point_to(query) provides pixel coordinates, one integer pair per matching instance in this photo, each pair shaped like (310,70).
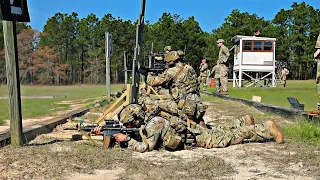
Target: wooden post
(125,58)
(12,65)
(150,56)
(136,60)
(108,49)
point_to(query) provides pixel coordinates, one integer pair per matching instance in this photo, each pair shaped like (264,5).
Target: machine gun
(156,65)
(108,130)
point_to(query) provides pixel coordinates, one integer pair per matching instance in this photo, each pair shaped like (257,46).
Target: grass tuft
(303,131)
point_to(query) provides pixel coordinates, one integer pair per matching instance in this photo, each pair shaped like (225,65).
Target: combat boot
(224,93)
(275,131)
(314,112)
(250,120)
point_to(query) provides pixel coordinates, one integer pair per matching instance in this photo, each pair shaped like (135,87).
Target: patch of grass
(303,131)
(33,107)
(233,109)
(305,91)
(38,107)
(73,92)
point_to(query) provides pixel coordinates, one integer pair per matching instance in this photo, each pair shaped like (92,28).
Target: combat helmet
(167,49)
(171,57)
(132,113)
(180,53)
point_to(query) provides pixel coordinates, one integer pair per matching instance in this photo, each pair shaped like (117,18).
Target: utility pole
(150,56)
(13,82)
(125,59)
(136,61)
(108,49)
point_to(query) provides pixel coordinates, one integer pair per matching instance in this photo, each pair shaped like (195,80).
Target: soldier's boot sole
(224,93)
(275,131)
(250,120)
(314,112)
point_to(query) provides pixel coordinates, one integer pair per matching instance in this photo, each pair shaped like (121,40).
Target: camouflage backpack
(131,112)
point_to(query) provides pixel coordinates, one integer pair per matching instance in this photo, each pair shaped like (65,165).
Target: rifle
(157,65)
(108,130)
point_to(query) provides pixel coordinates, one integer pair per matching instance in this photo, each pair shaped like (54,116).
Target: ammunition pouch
(188,106)
(181,103)
(201,110)
(172,141)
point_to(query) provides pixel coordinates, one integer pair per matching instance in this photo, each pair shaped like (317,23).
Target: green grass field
(38,107)
(304,91)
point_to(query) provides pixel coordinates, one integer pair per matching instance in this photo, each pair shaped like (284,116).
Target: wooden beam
(12,66)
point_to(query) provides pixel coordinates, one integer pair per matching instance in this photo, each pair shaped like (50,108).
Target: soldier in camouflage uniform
(317,59)
(222,60)
(183,87)
(204,68)
(283,75)
(171,134)
(216,71)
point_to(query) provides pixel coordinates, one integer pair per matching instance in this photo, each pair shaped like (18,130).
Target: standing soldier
(283,75)
(203,73)
(216,71)
(222,60)
(317,59)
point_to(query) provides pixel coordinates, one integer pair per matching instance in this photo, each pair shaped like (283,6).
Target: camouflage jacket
(318,43)
(284,72)
(204,69)
(157,132)
(182,80)
(216,71)
(223,55)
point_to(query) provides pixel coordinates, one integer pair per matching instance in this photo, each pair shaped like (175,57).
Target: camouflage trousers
(318,83)
(203,81)
(318,90)
(219,138)
(192,107)
(223,78)
(240,122)
(284,81)
(217,82)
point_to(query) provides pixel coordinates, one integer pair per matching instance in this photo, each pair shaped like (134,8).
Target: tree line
(70,50)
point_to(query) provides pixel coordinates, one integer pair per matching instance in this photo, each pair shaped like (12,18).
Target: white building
(254,61)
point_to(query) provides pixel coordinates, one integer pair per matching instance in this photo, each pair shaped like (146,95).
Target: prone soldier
(159,131)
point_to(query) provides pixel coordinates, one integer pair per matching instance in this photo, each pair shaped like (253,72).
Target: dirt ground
(47,158)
